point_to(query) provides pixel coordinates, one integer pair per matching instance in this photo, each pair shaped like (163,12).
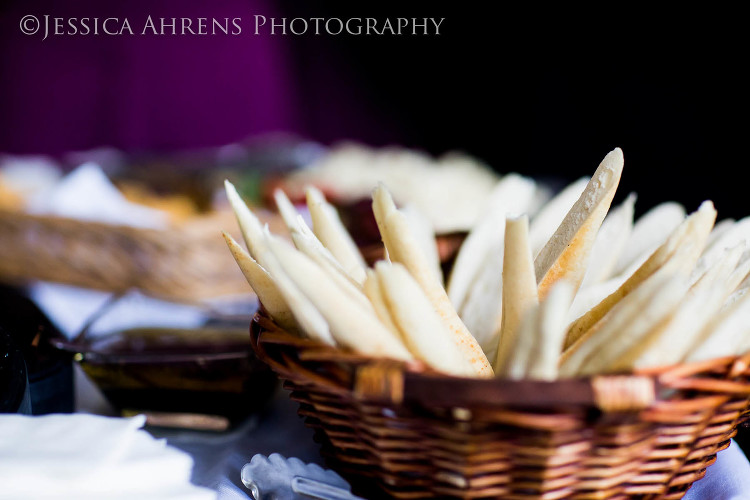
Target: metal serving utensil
(279,478)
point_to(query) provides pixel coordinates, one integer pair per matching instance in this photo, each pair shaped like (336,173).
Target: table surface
(219,457)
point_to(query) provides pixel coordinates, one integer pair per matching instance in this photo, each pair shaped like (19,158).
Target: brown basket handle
(740,366)
(395,382)
(388,382)
(380,381)
(616,393)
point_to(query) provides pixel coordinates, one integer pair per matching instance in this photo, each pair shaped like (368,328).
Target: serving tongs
(276,477)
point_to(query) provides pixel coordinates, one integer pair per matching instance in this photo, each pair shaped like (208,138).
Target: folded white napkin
(87,194)
(90,457)
(70,308)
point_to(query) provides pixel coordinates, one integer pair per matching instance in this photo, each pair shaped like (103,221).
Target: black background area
(550,92)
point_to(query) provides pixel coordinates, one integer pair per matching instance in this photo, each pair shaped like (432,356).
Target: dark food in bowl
(207,371)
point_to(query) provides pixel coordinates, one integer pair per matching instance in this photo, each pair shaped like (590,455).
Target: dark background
(541,91)
(550,92)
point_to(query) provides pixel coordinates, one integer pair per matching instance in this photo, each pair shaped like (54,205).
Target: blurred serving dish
(183,365)
(203,378)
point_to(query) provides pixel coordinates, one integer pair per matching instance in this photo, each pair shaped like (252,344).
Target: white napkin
(90,457)
(727,479)
(71,307)
(87,194)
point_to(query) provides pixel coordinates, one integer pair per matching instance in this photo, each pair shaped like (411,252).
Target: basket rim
(637,390)
(417,383)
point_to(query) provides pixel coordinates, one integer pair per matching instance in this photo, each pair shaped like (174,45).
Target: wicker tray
(418,434)
(188,261)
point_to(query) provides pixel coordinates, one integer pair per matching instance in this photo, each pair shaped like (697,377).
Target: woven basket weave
(188,261)
(414,433)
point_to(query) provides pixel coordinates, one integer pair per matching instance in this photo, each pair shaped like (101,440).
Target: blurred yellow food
(179,206)
(9,199)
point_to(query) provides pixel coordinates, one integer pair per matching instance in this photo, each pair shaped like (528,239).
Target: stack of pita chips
(570,288)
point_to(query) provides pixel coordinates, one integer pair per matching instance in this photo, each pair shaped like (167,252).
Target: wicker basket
(188,261)
(418,434)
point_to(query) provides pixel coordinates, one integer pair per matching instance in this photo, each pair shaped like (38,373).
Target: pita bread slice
(513,362)
(307,317)
(669,344)
(250,226)
(549,217)
(329,229)
(353,326)
(566,253)
(691,236)
(422,229)
(403,247)
(744,344)
(421,328)
(519,284)
(719,230)
(738,233)
(731,303)
(313,323)
(513,194)
(374,294)
(627,324)
(728,233)
(477,282)
(649,232)
(726,335)
(543,360)
(740,275)
(701,304)
(482,311)
(609,243)
(382,206)
(744,347)
(299,230)
(287,210)
(588,297)
(262,284)
(309,246)
(406,252)
(733,298)
(619,316)
(536,352)
(720,270)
